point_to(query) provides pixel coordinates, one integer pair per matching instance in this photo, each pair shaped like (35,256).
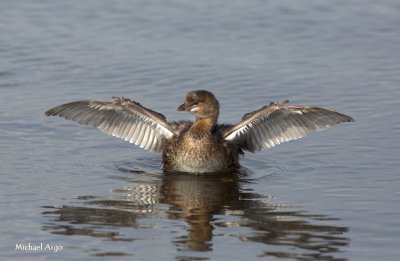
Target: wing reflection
(205,204)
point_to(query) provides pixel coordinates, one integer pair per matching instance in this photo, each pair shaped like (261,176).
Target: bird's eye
(195,103)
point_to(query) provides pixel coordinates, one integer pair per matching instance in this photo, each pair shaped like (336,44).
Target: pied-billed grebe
(203,145)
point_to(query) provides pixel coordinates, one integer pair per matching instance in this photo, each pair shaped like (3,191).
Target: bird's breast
(193,154)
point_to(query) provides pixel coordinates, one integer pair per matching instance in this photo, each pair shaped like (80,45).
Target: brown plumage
(202,145)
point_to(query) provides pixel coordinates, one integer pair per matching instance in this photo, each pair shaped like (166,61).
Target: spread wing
(277,123)
(121,118)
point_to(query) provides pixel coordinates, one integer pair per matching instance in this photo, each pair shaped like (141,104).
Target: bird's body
(201,148)
(203,145)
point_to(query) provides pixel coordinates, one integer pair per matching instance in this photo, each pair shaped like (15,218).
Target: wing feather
(121,118)
(278,123)
(131,133)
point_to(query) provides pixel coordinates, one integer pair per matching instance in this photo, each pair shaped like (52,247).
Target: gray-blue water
(334,195)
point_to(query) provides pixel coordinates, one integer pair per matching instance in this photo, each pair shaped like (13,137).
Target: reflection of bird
(202,145)
(213,207)
(198,200)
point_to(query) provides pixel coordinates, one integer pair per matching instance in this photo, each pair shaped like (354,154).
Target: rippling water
(331,196)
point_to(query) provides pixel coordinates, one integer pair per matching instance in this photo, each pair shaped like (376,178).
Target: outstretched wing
(121,118)
(277,123)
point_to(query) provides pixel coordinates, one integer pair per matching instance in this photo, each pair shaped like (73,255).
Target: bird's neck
(205,124)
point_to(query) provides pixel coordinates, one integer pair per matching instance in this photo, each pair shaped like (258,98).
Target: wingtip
(348,118)
(48,112)
(51,112)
